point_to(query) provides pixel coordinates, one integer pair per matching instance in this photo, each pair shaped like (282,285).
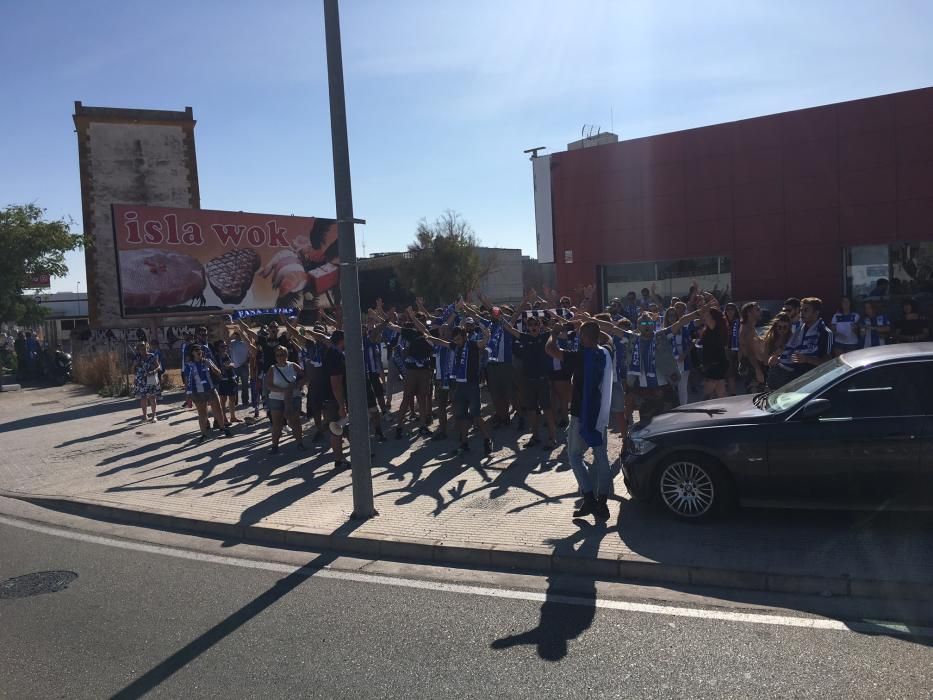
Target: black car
(854,432)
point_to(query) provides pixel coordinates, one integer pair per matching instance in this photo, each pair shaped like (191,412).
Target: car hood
(718,412)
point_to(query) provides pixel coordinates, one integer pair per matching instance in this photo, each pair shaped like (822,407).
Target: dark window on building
(669,277)
(68,325)
(900,270)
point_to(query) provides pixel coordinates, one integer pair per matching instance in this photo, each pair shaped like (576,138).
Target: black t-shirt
(267,348)
(419,351)
(710,357)
(225,364)
(912,326)
(335,365)
(536,363)
(573,363)
(517,348)
(285,342)
(471,349)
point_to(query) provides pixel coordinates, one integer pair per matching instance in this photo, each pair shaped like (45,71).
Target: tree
(30,245)
(443,262)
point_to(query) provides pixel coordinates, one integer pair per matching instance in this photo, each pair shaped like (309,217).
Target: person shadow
(563,616)
(208,640)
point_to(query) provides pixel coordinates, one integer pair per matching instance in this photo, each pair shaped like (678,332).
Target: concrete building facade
(504,283)
(129,156)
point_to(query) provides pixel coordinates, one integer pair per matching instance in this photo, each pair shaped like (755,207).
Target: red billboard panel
(173,261)
(41,281)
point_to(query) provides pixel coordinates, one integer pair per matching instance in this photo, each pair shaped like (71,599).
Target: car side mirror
(815,408)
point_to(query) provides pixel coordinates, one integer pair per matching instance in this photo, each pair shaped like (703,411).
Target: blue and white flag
(597,395)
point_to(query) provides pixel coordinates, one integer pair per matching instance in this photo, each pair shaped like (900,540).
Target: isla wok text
(168,230)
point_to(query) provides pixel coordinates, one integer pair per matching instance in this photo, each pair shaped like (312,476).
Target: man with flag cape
(591,370)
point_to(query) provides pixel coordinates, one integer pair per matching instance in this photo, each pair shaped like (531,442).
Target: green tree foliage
(30,245)
(443,262)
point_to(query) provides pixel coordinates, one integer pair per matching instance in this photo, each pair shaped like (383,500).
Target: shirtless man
(752,352)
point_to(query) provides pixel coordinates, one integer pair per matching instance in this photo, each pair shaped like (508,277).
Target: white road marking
(814,623)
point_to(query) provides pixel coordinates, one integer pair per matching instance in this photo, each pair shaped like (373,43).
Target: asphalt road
(140,619)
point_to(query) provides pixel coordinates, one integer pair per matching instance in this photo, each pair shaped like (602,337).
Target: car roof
(885,353)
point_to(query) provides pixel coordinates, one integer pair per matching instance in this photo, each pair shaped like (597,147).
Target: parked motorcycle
(61,367)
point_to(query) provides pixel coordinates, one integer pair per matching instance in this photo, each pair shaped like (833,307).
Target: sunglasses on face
(195,352)
(646,324)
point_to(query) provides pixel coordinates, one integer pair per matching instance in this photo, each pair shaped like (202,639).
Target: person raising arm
(535,386)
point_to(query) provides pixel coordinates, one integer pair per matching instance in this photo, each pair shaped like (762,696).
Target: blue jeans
(242,373)
(597,474)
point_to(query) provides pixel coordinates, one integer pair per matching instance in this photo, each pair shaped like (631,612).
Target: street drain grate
(44,403)
(493,504)
(36,584)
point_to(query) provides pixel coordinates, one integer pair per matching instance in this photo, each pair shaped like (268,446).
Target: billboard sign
(182,261)
(40,281)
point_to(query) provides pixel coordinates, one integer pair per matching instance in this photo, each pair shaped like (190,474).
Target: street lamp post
(349,281)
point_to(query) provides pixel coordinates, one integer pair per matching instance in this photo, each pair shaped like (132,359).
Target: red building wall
(781,195)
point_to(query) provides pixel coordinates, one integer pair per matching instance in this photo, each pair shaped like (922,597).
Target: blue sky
(442,96)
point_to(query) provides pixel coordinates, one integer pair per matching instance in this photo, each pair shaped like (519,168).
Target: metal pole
(349,281)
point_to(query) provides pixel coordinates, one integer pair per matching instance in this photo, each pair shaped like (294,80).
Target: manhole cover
(36,584)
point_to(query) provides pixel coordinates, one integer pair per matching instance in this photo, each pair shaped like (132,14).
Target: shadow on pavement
(881,546)
(564,617)
(445,467)
(308,484)
(834,544)
(99,436)
(205,462)
(798,542)
(223,629)
(58,417)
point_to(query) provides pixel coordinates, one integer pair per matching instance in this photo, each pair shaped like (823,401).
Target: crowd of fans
(545,367)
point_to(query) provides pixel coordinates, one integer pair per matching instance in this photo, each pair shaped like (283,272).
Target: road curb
(537,559)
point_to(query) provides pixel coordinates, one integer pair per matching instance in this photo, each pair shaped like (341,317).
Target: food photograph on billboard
(173,261)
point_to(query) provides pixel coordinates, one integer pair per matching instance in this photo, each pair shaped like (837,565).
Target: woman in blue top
(874,328)
(228,385)
(201,380)
(147,387)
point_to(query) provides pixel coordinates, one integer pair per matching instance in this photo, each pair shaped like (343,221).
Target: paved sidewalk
(512,509)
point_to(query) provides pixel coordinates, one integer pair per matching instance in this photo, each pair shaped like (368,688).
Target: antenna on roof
(534,151)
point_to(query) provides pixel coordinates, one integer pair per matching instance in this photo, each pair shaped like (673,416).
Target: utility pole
(349,281)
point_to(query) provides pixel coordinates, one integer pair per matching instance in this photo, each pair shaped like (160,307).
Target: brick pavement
(65,442)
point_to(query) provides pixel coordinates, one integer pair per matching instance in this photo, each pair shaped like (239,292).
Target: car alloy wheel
(687,489)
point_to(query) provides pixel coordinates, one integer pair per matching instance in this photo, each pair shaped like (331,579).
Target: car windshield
(806,385)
